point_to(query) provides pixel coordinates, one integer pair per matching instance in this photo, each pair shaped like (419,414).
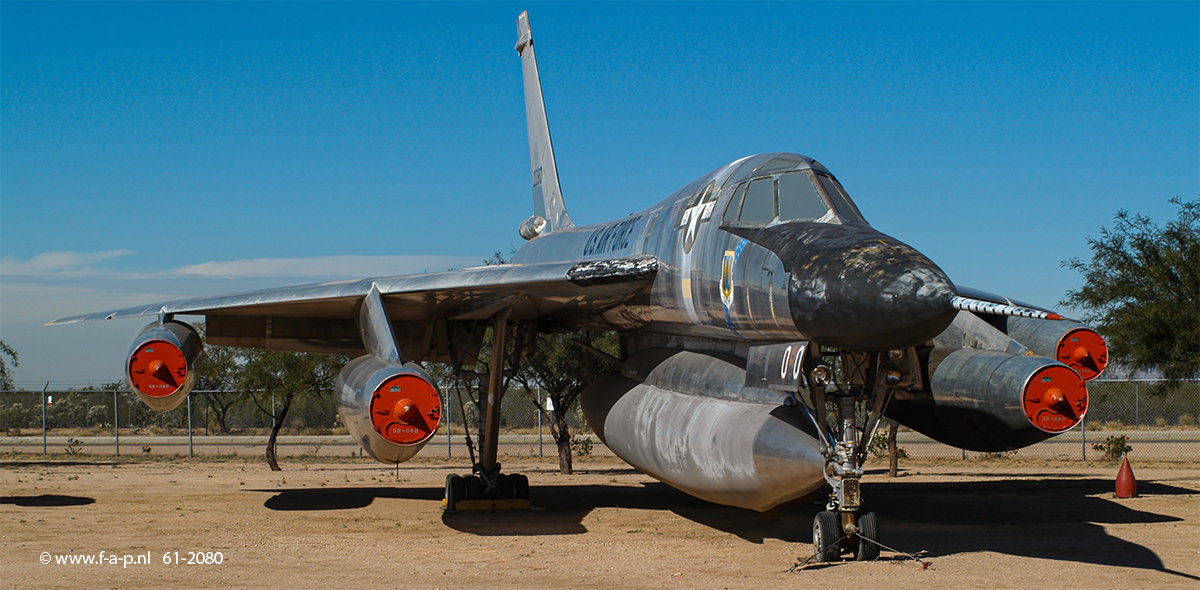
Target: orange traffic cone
(1126,483)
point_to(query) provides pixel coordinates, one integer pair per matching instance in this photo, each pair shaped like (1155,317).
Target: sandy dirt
(350,525)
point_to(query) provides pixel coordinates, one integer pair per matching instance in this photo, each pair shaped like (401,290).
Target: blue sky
(150,151)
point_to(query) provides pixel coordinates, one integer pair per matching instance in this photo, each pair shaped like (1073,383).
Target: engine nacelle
(990,401)
(1070,343)
(160,362)
(390,410)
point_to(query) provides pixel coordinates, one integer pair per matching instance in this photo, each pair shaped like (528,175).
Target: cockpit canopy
(778,192)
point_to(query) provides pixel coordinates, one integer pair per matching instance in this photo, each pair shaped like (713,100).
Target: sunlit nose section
(854,287)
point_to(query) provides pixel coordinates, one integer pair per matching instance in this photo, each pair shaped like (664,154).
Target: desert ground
(350,524)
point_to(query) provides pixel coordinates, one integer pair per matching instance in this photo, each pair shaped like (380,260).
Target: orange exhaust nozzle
(1055,399)
(1084,351)
(157,368)
(406,409)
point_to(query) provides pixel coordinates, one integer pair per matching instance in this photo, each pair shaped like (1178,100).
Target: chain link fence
(1134,413)
(58,420)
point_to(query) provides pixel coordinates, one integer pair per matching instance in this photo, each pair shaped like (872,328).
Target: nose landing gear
(868,381)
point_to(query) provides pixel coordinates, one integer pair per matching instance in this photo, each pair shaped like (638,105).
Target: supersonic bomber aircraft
(765,328)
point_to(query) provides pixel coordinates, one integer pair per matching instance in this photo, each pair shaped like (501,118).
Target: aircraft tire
(520,485)
(868,526)
(504,487)
(454,491)
(826,535)
(472,488)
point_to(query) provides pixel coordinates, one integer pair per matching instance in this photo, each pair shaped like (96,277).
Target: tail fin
(547,196)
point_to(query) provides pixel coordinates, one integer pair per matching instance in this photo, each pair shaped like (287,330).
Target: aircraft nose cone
(857,288)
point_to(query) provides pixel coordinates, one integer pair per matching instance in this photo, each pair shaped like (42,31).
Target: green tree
(1142,291)
(218,374)
(273,375)
(6,380)
(561,367)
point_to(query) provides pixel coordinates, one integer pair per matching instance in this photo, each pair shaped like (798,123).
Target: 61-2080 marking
(194,558)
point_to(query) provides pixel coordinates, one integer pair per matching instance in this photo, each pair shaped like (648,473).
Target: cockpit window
(776,165)
(798,198)
(841,202)
(759,204)
(735,204)
(790,196)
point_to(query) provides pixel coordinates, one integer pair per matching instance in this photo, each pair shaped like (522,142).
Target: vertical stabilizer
(547,196)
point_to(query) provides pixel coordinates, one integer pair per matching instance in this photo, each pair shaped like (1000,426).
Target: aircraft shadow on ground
(12,464)
(561,510)
(1060,519)
(1047,518)
(47,500)
(342,498)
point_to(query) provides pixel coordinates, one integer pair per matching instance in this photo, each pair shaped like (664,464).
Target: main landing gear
(844,527)
(487,488)
(468,492)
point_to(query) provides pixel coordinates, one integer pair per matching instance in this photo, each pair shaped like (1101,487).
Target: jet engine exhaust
(159,364)
(991,401)
(1070,343)
(390,410)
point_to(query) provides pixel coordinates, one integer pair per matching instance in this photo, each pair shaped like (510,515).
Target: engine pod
(159,366)
(390,410)
(1069,343)
(990,401)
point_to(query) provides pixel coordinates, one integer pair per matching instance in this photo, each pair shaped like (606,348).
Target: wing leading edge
(321,317)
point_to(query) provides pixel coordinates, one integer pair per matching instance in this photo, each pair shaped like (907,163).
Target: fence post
(1083,436)
(116,422)
(44,417)
(539,413)
(190,454)
(449,455)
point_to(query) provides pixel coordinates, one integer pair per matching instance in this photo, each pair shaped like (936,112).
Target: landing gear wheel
(504,489)
(826,536)
(868,527)
(520,486)
(472,488)
(454,491)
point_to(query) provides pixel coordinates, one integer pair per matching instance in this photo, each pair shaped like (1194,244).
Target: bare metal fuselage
(685,298)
